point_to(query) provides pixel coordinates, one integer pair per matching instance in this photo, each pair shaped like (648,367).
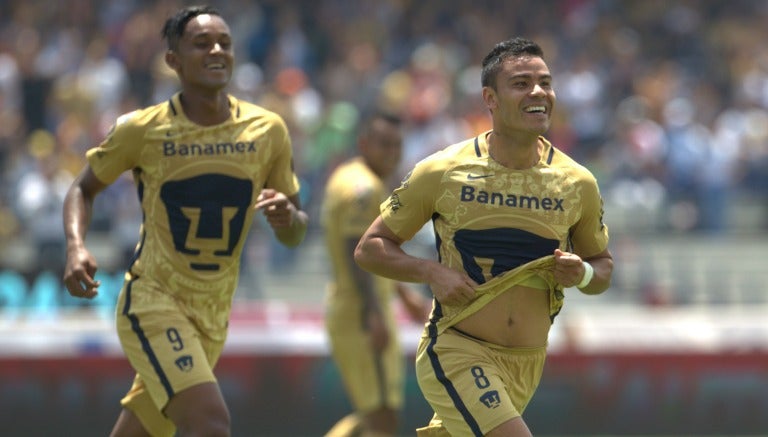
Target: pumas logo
(184,363)
(207,225)
(472,177)
(491,399)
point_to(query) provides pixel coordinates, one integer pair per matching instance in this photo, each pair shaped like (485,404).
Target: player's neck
(517,153)
(205,109)
(375,169)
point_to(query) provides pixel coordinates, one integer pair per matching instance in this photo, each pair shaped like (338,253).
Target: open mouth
(536,109)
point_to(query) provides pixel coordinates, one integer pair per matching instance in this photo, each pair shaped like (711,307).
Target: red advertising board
(610,393)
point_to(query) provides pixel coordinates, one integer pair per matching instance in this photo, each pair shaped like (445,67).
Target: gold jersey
(499,225)
(372,380)
(351,203)
(197,186)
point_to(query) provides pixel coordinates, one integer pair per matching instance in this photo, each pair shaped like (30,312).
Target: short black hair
(514,47)
(174,26)
(371,118)
(387,116)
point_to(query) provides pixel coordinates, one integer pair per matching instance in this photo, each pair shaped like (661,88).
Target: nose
(216,48)
(537,89)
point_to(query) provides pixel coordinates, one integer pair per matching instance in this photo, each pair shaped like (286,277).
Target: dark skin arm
(373,320)
(81,266)
(282,212)
(284,215)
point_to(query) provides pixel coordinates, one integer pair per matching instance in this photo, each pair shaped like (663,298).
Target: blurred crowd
(665,101)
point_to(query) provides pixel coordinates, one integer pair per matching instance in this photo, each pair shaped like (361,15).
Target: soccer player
(359,316)
(516,221)
(203,163)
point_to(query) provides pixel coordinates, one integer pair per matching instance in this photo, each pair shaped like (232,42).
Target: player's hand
(451,287)
(568,270)
(277,208)
(79,274)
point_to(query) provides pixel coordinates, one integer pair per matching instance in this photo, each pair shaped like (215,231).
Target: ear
(171,60)
(489,97)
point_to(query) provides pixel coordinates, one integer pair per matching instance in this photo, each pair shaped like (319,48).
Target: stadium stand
(665,102)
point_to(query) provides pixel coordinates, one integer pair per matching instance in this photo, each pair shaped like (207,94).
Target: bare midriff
(518,317)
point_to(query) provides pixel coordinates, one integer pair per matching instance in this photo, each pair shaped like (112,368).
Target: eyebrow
(528,76)
(209,35)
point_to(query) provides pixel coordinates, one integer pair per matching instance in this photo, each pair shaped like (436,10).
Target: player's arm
(80,267)
(602,263)
(283,212)
(589,237)
(415,303)
(373,320)
(379,251)
(284,215)
(570,270)
(363,280)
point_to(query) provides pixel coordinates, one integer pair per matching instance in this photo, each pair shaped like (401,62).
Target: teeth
(535,109)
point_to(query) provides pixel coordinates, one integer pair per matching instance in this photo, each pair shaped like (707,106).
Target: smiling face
(204,55)
(522,99)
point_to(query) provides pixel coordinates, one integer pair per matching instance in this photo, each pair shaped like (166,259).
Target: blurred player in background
(516,221)
(360,320)
(203,162)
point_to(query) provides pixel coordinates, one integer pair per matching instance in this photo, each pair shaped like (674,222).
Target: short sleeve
(282,176)
(589,235)
(413,203)
(118,152)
